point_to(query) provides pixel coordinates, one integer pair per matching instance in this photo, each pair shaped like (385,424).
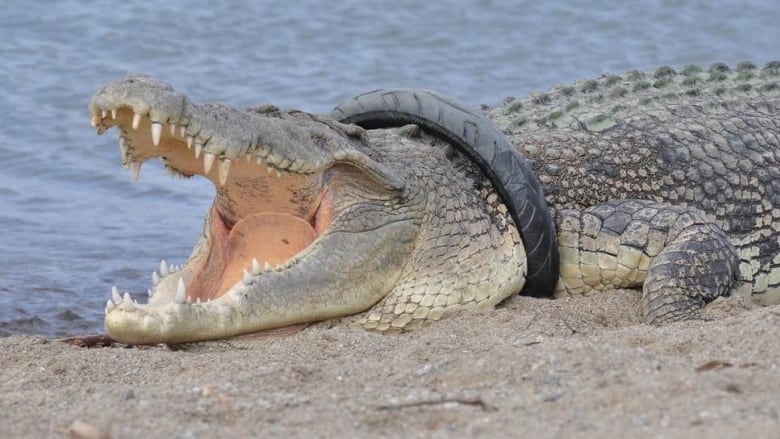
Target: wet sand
(531,368)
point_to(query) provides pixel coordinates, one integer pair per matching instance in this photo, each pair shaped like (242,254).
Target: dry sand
(531,368)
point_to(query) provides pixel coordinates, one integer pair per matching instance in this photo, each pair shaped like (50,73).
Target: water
(72,224)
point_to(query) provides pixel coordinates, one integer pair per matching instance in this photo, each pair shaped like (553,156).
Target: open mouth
(261,195)
(282,204)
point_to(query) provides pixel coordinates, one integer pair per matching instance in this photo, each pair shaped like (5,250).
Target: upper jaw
(215,132)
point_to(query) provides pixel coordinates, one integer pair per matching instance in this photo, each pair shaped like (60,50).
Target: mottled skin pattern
(447,270)
(665,180)
(404,229)
(702,139)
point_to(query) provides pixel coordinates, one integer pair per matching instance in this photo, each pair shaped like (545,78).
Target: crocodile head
(312,220)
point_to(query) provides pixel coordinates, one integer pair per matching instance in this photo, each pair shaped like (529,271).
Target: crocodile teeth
(115,295)
(136,120)
(190,139)
(269,169)
(164,268)
(173,129)
(198,149)
(113,113)
(103,114)
(135,167)
(123,148)
(181,292)
(155,278)
(127,303)
(267,266)
(278,174)
(149,292)
(259,160)
(224,169)
(255,267)
(208,161)
(247,277)
(110,306)
(156,133)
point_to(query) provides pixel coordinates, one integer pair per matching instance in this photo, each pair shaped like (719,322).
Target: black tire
(484,144)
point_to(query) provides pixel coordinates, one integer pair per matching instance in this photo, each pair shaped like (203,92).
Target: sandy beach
(531,368)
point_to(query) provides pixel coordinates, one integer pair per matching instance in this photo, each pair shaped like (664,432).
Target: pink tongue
(268,237)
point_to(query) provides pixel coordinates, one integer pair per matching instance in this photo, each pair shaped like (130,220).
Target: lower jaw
(260,241)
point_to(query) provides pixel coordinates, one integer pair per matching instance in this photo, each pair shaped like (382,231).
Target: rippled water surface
(72,224)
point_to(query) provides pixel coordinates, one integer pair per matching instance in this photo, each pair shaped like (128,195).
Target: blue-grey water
(72,223)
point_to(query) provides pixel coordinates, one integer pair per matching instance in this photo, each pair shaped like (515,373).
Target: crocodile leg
(698,266)
(679,258)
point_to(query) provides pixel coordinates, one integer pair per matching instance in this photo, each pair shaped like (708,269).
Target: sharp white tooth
(135,167)
(173,129)
(127,303)
(156,133)
(248,156)
(181,292)
(255,266)
(183,130)
(247,277)
(164,268)
(197,302)
(110,306)
(198,149)
(190,139)
(113,113)
(136,120)
(208,161)
(149,292)
(155,278)
(278,174)
(115,295)
(259,160)
(267,266)
(123,147)
(269,169)
(103,114)
(224,169)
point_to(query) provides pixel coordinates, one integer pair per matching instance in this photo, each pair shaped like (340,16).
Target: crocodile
(391,212)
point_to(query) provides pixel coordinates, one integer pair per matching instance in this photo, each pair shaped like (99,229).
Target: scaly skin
(388,222)
(664,180)
(705,139)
